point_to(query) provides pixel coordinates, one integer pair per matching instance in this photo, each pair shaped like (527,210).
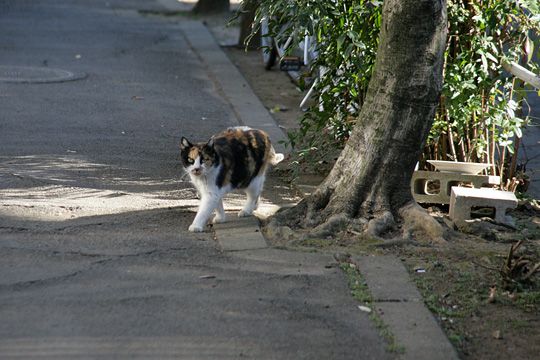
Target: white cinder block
(463,199)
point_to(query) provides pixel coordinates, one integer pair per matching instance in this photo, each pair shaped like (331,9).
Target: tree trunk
(371,178)
(246,23)
(211,6)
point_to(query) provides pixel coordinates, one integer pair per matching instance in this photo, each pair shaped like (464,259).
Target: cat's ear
(210,143)
(184,143)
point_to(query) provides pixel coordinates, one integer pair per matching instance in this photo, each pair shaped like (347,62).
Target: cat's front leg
(195,228)
(208,204)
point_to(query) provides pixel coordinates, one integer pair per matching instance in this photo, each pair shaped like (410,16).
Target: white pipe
(522,73)
(306,47)
(308,95)
(281,51)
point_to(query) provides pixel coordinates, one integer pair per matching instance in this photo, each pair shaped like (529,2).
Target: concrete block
(463,199)
(446,180)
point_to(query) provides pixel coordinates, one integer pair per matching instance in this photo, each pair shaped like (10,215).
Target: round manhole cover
(28,74)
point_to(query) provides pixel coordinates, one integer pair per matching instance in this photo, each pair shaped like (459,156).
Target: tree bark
(371,178)
(211,6)
(246,23)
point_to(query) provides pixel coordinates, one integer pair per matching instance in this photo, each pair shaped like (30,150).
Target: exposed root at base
(418,223)
(380,225)
(417,226)
(330,227)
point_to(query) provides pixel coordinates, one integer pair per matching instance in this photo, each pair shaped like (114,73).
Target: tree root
(332,226)
(419,225)
(277,233)
(381,224)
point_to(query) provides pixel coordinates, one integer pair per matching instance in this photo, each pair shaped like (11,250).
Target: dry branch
(516,270)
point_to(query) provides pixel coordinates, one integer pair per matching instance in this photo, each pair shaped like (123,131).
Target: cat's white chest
(205,183)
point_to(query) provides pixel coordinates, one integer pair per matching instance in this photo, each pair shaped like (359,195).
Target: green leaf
(518,131)
(340,41)
(492,58)
(529,48)
(531,5)
(484,62)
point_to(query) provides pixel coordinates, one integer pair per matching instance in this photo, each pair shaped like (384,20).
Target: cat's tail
(275,158)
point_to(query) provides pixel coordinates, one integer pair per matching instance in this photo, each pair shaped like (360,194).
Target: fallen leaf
(497,334)
(492,294)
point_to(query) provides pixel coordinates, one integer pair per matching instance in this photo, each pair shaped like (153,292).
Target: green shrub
(480,115)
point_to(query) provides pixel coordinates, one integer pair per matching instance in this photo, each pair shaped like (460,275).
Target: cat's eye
(190,160)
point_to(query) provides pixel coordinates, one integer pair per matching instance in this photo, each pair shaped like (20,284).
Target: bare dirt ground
(484,317)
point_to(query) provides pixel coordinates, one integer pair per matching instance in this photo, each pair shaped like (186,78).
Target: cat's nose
(196,171)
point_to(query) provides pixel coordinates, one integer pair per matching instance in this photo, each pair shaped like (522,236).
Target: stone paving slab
(387,279)
(414,327)
(290,263)
(400,305)
(240,234)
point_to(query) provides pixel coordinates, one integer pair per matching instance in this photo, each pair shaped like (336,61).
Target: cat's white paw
(218,219)
(195,228)
(245,213)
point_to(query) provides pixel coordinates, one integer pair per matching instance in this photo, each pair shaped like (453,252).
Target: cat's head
(197,158)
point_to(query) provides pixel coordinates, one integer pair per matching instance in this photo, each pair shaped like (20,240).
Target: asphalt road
(95,259)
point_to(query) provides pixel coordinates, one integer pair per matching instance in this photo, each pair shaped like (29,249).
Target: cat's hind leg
(220,216)
(253,191)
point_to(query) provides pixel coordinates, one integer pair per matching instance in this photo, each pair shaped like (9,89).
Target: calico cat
(236,158)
